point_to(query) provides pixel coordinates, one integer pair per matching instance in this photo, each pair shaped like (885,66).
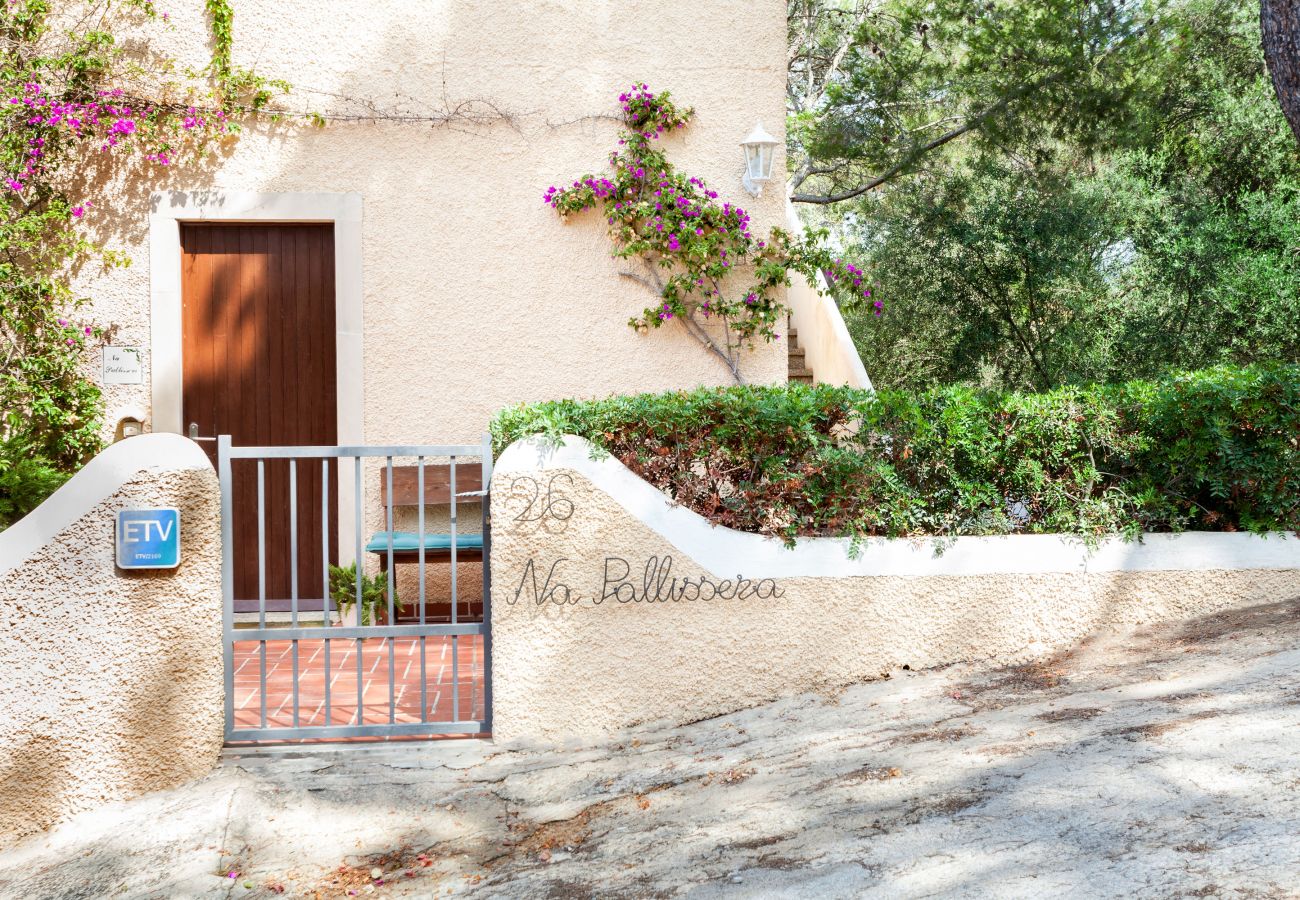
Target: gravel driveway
(1155,762)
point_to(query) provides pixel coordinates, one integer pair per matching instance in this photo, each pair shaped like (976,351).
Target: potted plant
(374,595)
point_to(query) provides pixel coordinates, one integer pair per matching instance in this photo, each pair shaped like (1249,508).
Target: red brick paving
(375,655)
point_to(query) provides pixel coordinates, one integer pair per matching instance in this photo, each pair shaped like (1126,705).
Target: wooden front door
(258,348)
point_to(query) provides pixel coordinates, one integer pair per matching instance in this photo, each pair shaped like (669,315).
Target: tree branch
(655,283)
(971,124)
(898,168)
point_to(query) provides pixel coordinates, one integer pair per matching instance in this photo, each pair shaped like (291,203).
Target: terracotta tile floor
(375,698)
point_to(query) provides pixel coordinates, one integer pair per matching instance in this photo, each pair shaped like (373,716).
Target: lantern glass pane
(765,160)
(752,162)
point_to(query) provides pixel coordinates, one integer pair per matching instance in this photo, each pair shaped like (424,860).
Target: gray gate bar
(325,574)
(424,647)
(485,455)
(304,719)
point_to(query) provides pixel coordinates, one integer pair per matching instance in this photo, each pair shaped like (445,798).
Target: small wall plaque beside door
(149,538)
(122,365)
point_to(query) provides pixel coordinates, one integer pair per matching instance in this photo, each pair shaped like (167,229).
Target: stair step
(797,369)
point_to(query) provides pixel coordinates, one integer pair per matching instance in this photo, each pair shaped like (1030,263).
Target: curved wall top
(719,549)
(114,467)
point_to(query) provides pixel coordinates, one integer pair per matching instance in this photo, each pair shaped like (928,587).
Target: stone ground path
(1157,762)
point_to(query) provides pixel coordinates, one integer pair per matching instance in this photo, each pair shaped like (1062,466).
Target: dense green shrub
(1217,449)
(26,479)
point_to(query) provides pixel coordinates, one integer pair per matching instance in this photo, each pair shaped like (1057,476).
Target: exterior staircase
(798,367)
(819,339)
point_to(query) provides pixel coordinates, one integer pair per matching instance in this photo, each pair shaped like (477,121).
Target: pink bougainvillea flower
(78,212)
(651,209)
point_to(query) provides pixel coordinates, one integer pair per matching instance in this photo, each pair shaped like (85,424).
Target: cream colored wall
(586,661)
(110,683)
(475,295)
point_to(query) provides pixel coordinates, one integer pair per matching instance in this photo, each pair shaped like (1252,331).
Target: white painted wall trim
(168,210)
(724,552)
(103,475)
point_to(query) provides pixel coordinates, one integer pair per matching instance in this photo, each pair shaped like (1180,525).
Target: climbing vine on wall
(221,16)
(236,88)
(76,103)
(711,273)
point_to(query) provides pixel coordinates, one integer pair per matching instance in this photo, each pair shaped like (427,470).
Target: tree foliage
(1041,261)
(877,87)
(1003,275)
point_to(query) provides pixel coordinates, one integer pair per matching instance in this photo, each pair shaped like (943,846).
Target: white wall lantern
(759,153)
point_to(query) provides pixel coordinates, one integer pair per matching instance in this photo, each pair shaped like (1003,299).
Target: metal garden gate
(294,669)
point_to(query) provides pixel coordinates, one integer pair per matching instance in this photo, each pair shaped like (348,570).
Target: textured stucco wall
(110,682)
(595,655)
(473,289)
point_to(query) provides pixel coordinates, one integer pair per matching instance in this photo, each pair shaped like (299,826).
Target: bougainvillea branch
(76,104)
(709,271)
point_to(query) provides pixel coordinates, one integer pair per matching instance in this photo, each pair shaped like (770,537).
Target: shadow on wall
(158,741)
(34,766)
(110,683)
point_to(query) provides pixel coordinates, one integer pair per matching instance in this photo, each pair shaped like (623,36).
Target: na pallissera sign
(149,538)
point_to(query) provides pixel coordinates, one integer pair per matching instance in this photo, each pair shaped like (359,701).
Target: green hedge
(1217,450)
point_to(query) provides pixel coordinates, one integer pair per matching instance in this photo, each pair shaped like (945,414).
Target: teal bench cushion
(409,541)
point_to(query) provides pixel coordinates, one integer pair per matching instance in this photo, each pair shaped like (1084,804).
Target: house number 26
(552,505)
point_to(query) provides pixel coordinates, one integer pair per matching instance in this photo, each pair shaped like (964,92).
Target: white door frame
(168,210)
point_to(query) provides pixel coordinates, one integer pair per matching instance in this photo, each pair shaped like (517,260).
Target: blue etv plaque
(148,538)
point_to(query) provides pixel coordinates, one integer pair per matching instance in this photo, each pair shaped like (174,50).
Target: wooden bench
(437,545)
